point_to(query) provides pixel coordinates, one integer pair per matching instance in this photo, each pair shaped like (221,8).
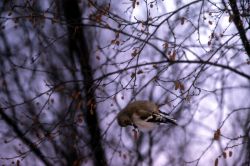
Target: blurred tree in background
(68,67)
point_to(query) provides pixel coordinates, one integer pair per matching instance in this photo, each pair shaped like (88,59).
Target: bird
(143,115)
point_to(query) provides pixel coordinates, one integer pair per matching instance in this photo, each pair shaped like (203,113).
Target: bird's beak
(132,124)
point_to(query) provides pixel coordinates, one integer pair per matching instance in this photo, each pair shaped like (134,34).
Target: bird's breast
(142,124)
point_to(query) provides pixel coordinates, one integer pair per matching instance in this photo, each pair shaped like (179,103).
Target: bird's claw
(136,132)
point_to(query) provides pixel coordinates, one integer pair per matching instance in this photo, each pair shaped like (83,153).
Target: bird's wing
(143,114)
(158,118)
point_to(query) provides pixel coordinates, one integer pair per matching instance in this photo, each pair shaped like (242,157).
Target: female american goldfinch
(144,115)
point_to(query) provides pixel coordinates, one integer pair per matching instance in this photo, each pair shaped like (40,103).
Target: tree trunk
(78,48)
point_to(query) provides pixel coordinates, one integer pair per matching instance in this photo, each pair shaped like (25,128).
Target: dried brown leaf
(140,72)
(134,53)
(113,41)
(173,57)
(216,162)
(217,134)
(165,45)
(133,3)
(182,87)
(177,85)
(248,61)
(224,155)
(117,42)
(182,20)
(230,153)
(155,66)
(133,75)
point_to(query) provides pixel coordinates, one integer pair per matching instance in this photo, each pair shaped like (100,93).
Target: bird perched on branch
(144,115)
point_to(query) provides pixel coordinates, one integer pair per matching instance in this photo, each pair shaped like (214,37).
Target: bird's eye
(127,122)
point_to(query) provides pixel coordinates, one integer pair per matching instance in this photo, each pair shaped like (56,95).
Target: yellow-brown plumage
(144,114)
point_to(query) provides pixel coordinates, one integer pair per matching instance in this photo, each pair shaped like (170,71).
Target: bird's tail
(163,117)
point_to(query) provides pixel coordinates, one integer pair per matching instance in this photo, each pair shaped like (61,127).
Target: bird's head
(123,119)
